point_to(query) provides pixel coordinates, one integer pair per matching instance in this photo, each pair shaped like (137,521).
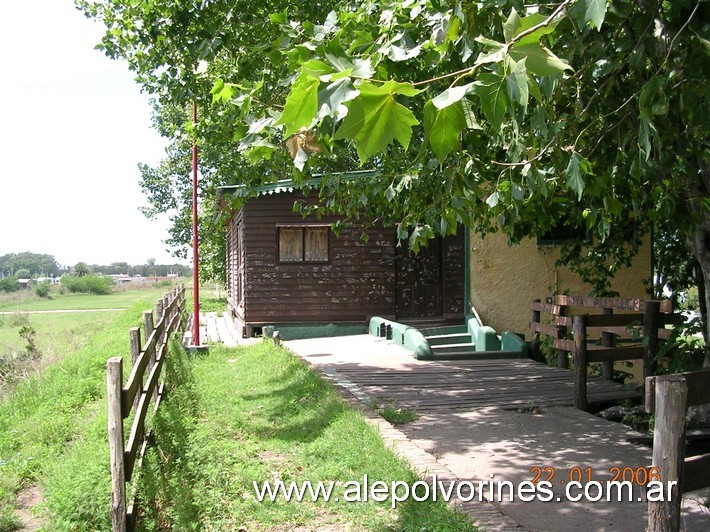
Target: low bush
(9,284)
(88,284)
(43,290)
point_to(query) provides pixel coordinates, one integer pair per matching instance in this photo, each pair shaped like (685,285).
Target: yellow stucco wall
(505,279)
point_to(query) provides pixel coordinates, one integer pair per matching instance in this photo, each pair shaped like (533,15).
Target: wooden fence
(143,386)
(669,396)
(594,336)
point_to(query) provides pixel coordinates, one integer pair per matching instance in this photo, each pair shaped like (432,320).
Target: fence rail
(594,336)
(142,388)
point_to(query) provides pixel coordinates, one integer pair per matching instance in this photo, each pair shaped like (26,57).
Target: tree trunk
(698,242)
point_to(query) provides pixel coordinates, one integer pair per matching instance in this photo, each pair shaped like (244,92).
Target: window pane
(317,244)
(290,244)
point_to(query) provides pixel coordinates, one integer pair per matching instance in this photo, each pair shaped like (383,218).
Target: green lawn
(57,334)
(62,409)
(254,414)
(118,299)
(232,417)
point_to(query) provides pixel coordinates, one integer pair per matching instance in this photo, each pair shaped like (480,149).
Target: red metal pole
(195,254)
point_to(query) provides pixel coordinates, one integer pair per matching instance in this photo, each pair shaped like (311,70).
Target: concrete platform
(504,442)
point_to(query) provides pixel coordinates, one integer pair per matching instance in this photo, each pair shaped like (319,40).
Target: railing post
(160,316)
(651,320)
(134,334)
(147,324)
(668,452)
(148,327)
(535,346)
(579,355)
(608,341)
(562,359)
(114,385)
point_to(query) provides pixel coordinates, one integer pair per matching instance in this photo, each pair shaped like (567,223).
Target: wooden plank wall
(235,264)
(454,274)
(357,283)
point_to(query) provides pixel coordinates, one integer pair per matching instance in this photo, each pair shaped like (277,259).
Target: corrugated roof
(288,185)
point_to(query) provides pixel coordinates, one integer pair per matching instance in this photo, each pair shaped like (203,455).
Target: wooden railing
(594,336)
(669,396)
(143,386)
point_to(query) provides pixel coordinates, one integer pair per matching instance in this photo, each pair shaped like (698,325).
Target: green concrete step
(475,355)
(443,339)
(447,329)
(454,348)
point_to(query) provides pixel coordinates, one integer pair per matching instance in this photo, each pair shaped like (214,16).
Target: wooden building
(293,273)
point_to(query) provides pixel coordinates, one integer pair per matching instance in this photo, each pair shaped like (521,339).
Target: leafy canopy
(507,115)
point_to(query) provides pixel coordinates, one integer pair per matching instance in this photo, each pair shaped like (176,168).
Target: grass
(27,301)
(232,417)
(397,416)
(54,415)
(251,414)
(72,329)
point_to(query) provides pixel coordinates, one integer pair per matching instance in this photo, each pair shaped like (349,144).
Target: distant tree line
(33,265)
(149,269)
(37,264)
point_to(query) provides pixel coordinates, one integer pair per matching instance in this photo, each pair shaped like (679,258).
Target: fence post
(535,346)
(651,320)
(148,327)
(562,359)
(579,355)
(114,385)
(147,324)
(160,316)
(135,339)
(668,452)
(608,341)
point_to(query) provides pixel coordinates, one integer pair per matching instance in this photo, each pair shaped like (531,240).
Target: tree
(510,116)
(81,269)
(23,273)
(39,264)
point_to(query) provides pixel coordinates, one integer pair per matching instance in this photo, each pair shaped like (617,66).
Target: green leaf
(646,130)
(375,119)
(589,11)
(443,126)
(471,121)
(451,95)
(534,89)
(390,193)
(511,25)
(517,82)
(539,60)
(361,68)
(316,69)
(494,103)
(332,98)
(489,42)
(301,105)
(532,21)
(574,175)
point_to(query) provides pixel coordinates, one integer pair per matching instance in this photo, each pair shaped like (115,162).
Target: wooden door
(420,281)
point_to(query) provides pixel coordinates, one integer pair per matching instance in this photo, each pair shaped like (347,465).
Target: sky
(75,125)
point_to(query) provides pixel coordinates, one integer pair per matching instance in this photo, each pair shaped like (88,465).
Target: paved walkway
(479,443)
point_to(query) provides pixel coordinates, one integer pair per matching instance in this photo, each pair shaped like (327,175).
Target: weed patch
(397,416)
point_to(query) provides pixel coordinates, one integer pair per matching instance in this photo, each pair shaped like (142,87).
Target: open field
(122,297)
(57,334)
